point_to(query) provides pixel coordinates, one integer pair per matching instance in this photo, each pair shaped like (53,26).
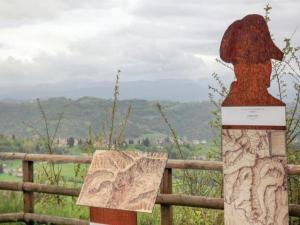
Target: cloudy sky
(48,41)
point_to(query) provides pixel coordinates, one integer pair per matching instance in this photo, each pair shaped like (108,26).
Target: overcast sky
(45,41)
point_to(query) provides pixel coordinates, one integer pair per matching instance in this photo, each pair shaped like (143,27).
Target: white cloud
(51,41)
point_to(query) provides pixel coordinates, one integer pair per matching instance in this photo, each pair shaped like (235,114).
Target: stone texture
(123,180)
(255,180)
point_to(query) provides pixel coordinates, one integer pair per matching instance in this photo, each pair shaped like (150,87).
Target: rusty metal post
(112,216)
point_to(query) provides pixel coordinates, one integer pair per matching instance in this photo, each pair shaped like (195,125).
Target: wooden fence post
(28,199)
(166,188)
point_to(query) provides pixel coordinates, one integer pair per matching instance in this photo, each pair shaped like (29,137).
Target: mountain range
(182,90)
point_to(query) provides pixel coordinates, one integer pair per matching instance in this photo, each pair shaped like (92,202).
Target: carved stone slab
(255,180)
(123,180)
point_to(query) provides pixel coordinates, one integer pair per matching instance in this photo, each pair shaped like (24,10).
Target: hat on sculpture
(248,40)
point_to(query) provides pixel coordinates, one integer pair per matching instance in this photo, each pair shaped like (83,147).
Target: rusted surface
(112,216)
(247,44)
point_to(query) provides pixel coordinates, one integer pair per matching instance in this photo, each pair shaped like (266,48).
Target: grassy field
(68,170)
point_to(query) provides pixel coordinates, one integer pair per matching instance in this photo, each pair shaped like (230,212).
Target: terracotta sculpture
(247,44)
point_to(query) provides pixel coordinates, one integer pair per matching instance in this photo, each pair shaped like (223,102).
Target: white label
(253,115)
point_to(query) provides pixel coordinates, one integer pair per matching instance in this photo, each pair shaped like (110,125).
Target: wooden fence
(166,199)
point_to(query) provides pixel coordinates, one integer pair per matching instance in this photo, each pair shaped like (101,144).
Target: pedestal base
(255,180)
(102,216)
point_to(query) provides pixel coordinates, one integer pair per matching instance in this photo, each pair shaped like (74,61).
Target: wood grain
(255,179)
(28,197)
(166,211)
(123,180)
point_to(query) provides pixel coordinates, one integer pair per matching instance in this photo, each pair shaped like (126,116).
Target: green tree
(70,142)
(146,142)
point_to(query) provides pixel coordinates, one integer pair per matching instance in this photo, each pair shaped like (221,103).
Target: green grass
(150,218)
(8,177)
(63,206)
(13,164)
(11,201)
(67,169)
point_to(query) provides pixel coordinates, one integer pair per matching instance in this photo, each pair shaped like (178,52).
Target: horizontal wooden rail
(165,199)
(40,188)
(191,201)
(294,210)
(172,163)
(45,157)
(194,164)
(11,186)
(293,169)
(32,217)
(11,217)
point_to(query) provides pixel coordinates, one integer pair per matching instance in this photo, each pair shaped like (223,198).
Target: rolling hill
(189,119)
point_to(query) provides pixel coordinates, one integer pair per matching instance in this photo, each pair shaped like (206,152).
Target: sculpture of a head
(248,45)
(249,41)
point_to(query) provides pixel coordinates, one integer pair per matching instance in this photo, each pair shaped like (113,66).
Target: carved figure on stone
(248,45)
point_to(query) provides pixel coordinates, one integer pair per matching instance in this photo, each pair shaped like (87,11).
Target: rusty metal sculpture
(253,143)
(247,44)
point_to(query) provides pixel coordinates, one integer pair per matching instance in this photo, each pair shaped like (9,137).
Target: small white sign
(254,115)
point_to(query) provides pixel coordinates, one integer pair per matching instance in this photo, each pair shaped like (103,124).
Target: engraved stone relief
(123,180)
(255,181)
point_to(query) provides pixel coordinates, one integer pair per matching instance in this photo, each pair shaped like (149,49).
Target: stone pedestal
(255,180)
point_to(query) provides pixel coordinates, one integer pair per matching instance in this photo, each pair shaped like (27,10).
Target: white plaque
(253,115)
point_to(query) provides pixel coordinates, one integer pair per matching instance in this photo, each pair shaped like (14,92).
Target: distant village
(158,141)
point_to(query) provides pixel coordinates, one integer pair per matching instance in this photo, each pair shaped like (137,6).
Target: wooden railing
(166,199)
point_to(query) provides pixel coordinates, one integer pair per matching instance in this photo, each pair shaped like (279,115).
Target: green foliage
(192,182)
(189,119)
(195,216)
(67,208)
(11,201)
(150,218)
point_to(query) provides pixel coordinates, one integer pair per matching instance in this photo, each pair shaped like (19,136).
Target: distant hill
(182,90)
(189,119)
(179,90)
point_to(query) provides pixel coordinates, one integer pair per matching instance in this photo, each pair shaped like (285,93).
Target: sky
(51,41)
